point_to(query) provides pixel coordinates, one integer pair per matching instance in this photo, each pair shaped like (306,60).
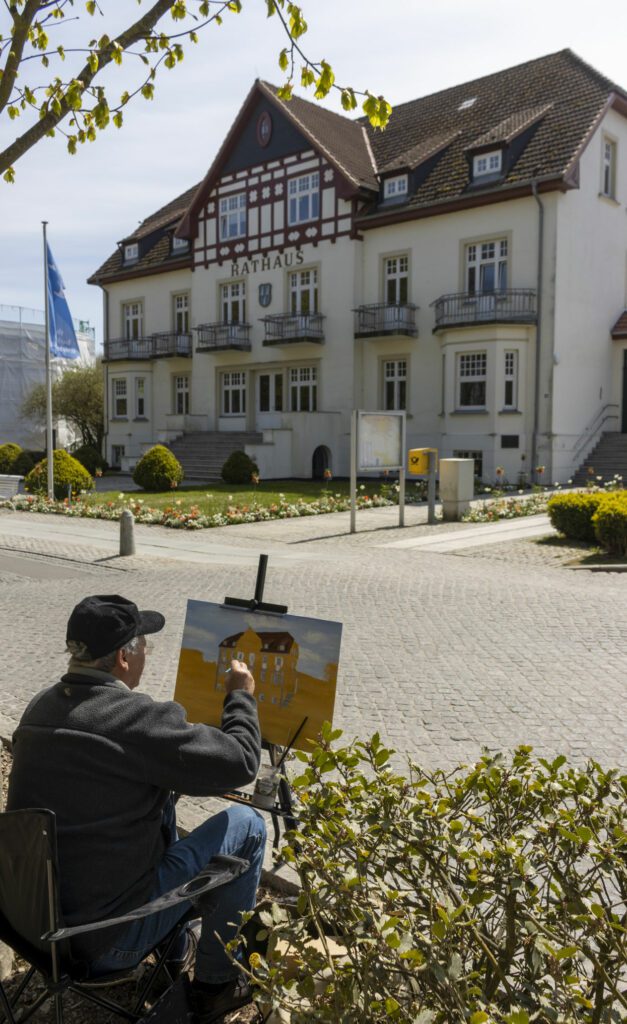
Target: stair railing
(594,428)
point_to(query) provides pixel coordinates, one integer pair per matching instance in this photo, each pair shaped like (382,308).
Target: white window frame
(140,398)
(471,368)
(394,382)
(180,384)
(232,216)
(303,198)
(276,395)
(233,297)
(133,320)
(131,252)
(303,286)
(490,257)
(117,454)
(396,280)
(179,244)
(395,188)
(232,384)
(119,395)
(510,389)
(180,312)
(608,169)
(303,389)
(487,163)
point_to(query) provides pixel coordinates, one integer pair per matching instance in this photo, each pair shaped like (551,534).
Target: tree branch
(22,23)
(139,30)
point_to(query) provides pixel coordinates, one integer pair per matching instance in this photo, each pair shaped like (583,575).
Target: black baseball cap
(104,623)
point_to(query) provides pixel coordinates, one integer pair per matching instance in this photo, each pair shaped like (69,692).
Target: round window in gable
(264,128)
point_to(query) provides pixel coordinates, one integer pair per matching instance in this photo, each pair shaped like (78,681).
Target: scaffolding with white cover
(23,365)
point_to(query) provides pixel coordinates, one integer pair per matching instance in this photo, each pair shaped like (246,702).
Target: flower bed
(178,517)
(508,508)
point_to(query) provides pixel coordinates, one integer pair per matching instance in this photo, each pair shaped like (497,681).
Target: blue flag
(62,335)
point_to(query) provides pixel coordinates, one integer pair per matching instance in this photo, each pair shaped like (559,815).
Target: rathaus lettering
(287,259)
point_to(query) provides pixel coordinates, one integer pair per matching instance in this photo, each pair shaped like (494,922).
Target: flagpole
(49,448)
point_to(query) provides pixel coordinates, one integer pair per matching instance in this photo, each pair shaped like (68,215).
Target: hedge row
(599,518)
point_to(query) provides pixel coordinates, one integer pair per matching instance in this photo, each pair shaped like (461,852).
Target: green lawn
(218,497)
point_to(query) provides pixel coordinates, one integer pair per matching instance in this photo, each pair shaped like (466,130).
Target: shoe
(210,1007)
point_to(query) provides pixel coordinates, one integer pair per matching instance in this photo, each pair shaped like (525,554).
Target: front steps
(606,459)
(202,455)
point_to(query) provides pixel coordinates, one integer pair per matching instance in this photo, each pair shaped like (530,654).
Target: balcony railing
(511,306)
(382,319)
(222,335)
(128,348)
(170,343)
(289,328)
(157,346)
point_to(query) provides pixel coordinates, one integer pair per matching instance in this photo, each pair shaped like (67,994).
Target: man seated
(107,760)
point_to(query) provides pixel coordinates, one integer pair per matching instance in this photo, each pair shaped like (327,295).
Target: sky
(400,48)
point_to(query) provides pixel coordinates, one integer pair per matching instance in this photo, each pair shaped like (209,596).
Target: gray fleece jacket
(105,759)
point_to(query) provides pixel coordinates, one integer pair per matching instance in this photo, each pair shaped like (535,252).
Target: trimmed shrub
(610,523)
(158,470)
(8,454)
(492,894)
(24,463)
(67,470)
(90,458)
(571,514)
(239,468)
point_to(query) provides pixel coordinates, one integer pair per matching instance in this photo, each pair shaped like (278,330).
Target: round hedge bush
(90,458)
(158,470)
(67,471)
(8,454)
(571,514)
(239,468)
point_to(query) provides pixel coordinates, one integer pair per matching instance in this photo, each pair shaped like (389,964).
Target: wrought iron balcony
(222,335)
(513,306)
(157,346)
(127,348)
(290,328)
(384,319)
(171,343)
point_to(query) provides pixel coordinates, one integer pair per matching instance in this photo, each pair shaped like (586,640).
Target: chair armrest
(220,871)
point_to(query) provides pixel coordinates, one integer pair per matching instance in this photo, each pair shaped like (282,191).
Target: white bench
(9,485)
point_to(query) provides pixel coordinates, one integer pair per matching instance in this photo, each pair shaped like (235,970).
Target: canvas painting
(294,661)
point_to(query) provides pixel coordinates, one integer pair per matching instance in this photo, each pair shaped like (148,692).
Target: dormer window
(487,163)
(131,252)
(179,244)
(395,188)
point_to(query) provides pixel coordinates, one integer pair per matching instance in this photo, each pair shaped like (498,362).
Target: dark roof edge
(158,268)
(518,190)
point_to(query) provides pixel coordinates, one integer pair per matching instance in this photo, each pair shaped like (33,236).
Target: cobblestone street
(443,651)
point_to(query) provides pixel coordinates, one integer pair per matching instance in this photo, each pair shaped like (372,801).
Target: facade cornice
(505,193)
(157,268)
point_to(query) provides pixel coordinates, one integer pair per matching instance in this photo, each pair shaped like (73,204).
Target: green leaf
(479,1017)
(284,61)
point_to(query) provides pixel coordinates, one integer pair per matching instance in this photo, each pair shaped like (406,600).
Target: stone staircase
(202,455)
(608,458)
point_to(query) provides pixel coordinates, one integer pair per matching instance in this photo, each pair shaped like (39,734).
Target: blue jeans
(239,831)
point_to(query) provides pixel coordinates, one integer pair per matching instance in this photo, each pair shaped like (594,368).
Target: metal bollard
(127,533)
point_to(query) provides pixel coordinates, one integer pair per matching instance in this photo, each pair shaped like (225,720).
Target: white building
(23,365)
(468,265)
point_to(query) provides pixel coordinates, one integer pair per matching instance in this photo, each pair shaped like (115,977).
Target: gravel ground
(78,1011)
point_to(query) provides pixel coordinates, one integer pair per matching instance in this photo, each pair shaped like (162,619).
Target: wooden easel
(284,806)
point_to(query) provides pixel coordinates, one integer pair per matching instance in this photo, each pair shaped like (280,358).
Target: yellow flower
(254,960)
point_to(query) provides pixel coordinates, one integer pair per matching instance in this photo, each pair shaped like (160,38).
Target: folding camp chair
(31,924)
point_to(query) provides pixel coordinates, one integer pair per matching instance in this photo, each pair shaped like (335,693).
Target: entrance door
(269,399)
(624,419)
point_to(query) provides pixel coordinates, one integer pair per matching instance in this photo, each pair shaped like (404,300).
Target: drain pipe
(537,379)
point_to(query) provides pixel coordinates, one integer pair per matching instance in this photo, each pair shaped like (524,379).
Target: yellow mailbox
(418,460)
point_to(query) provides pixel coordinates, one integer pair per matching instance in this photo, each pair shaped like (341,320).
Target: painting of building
(293,659)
